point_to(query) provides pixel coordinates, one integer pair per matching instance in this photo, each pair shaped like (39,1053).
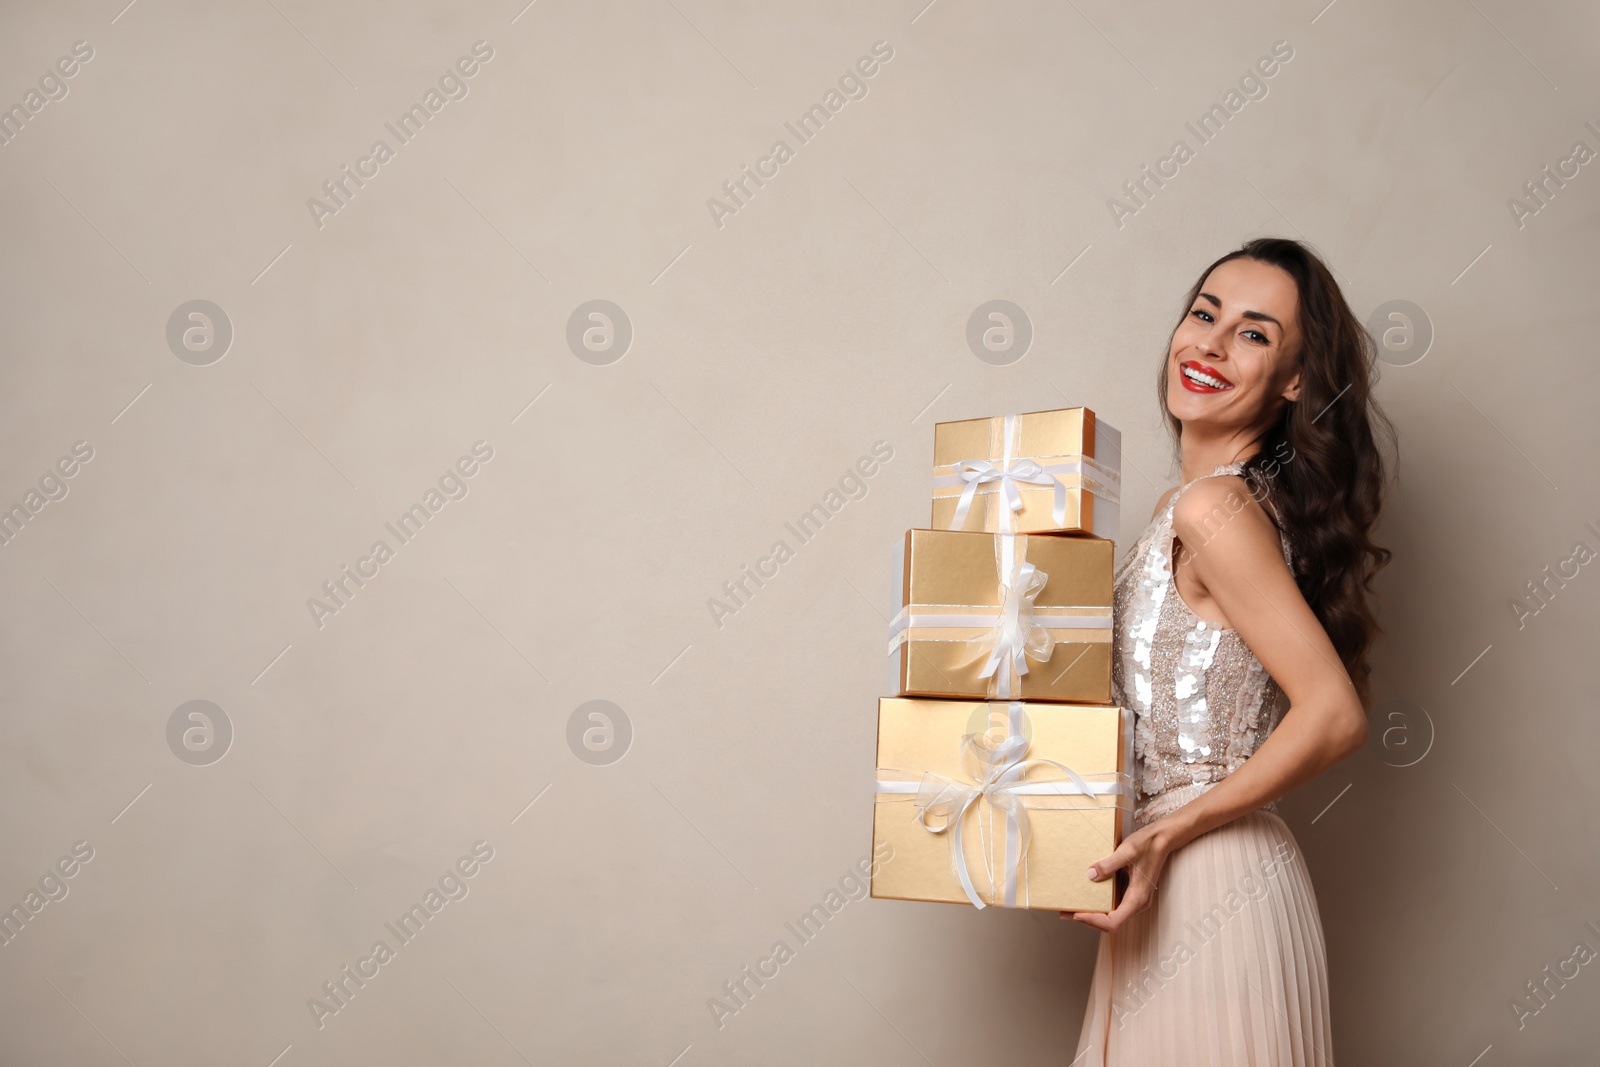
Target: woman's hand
(1143,852)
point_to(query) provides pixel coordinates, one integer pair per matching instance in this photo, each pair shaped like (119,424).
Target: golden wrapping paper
(1065,832)
(1080,451)
(949,605)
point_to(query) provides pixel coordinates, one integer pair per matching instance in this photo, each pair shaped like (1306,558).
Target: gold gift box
(1067,832)
(948,597)
(1071,444)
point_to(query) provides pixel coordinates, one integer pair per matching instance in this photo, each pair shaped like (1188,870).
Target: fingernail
(1094,875)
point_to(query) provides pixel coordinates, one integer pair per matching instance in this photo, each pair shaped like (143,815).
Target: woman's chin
(1195,408)
(1187,411)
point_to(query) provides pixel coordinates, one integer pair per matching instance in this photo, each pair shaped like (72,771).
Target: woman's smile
(1198,378)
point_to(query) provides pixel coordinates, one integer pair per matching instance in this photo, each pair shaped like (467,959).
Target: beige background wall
(369,353)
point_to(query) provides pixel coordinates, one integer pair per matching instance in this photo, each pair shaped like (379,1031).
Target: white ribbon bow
(1015,635)
(1000,782)
(1009,474)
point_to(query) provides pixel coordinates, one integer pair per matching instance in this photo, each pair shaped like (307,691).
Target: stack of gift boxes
(1003,768)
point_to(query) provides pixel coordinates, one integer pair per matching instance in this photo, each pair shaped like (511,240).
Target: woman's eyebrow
(1258,316)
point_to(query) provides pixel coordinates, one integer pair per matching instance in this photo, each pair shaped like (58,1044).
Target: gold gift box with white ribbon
(1036,472)
(1001,616)
(1000,803)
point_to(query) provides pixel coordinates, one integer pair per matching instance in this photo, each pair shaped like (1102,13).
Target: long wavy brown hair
(1321,460)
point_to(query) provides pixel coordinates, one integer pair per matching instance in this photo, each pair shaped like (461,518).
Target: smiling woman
(1241,629)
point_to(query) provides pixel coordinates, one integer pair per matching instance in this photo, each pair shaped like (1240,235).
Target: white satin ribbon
(998,771)
(1015,635)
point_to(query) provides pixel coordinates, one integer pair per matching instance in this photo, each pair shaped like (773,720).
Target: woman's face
(1242,337)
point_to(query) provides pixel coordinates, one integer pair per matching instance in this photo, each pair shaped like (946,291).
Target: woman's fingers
(1134,901)
(1140,891)
(1107,865)
(1131,849)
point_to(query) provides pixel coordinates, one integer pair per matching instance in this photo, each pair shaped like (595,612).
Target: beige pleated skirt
(1227,966)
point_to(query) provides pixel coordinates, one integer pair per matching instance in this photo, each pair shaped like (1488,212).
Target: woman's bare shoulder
(1215,502)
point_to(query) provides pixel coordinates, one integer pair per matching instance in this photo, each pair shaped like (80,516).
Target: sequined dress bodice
(1202,701)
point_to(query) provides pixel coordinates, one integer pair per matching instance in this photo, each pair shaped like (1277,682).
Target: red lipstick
(1210,373)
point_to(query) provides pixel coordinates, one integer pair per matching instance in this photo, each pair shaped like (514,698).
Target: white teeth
(1204,379)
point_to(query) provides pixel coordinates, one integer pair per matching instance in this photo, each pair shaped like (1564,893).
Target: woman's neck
(1201,454)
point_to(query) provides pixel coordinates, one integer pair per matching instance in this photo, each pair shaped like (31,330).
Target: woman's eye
(1203,313)
(1257,336)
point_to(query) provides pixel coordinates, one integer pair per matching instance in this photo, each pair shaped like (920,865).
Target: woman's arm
(1234,553)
